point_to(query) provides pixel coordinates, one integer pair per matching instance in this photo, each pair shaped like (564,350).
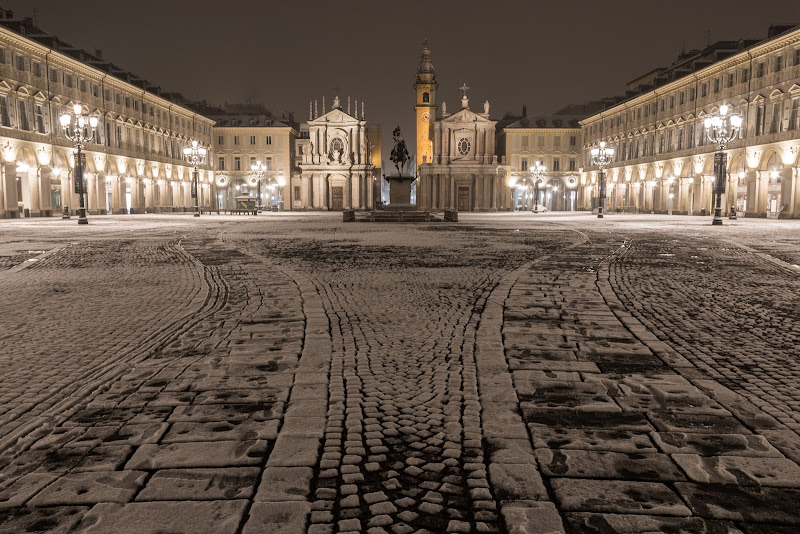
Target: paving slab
(179,517)
(200,484)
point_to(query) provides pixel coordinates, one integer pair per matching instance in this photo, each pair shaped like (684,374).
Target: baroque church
(458,168)
(337,171)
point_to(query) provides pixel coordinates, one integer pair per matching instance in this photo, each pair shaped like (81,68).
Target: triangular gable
(5,86)
(39,96)
(334,115)
(464,115)
(794,88)
(758,98)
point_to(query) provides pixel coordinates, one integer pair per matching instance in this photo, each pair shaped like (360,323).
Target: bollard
(732,215)
(66,213)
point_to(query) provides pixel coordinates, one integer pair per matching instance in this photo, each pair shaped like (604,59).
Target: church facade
(462,172)
(336,172)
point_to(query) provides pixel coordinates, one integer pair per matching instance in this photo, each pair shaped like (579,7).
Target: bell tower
(425,107)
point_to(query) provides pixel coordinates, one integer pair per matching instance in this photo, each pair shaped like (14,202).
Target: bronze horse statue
(399,153)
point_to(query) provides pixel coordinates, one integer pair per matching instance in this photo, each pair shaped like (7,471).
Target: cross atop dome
(464,99)
(464,88)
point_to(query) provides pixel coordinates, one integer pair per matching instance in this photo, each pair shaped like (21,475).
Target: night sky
(282,54)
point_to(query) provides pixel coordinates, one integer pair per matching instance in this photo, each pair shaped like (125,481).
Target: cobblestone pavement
(291,373)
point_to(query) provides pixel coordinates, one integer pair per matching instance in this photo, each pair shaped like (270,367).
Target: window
(717,85)
(39,118)
(95,90)
(573,140)
(644,147)
(669,141)
(119,136)
(252,161)
(37,69)
(793,118)
(5,116)
(646,111)
(138,140)
(235,139)
(731,79)
(661,105)
(69,80)
(556,165)
(775,123)
(680,139)
(24,119)
(221,163)
(691,94)
(671,101)
(557,141)
(778,64)
(745,75)
(54,75)
(681,98)
(108,134)
(118,99)
(82,84)
(523,166)
(20,62)
(760,118)
(128,138)
(796,61)
(220,139)
(426,97)
(463,146)
(127,101)
(268,163)
(252,140)
(136,105)
(760,70)
(572,164)
(3,56)
(661,143)
(540,140)
(268,140)
(297,193)
(237,163)
(690,137)
(703,90)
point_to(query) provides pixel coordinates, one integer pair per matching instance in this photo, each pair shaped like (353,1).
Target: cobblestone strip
(402,449)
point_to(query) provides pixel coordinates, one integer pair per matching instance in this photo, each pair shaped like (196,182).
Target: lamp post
(258,169)
(721,129)
(80,128)
(536,173)
(195,155)
(602,156)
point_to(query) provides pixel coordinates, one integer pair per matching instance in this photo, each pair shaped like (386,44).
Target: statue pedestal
(400,192)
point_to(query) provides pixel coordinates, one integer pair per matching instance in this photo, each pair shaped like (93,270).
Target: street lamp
(80,128)
(258,169)
(602,156)
(721,129)
(536,173)
(195,155)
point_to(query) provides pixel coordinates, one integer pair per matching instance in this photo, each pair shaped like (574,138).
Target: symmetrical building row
(466,160)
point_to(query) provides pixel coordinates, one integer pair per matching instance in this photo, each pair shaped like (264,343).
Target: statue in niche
(399,155)
(486,107)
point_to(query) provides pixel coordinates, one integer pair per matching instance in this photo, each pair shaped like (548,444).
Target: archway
(556,195)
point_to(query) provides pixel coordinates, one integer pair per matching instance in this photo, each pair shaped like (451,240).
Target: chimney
(524,110)
(98,53)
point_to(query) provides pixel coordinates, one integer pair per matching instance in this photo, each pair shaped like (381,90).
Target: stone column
(93,200)
(9,200)
(45,198)
(30,191)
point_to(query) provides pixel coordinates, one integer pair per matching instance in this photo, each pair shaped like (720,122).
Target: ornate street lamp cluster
(721,129)
(195,155)
(80,128)
(537,170)
(602,156)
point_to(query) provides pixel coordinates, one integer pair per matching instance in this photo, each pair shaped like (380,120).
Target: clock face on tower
(426,117)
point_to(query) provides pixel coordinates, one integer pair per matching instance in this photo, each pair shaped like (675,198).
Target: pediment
(758,98)
(5,86)
(794,88)
(39,96)
(334,115)
(465,115)
(775,93)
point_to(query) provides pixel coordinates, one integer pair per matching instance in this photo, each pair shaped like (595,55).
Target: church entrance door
(463,199)
(337,198)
